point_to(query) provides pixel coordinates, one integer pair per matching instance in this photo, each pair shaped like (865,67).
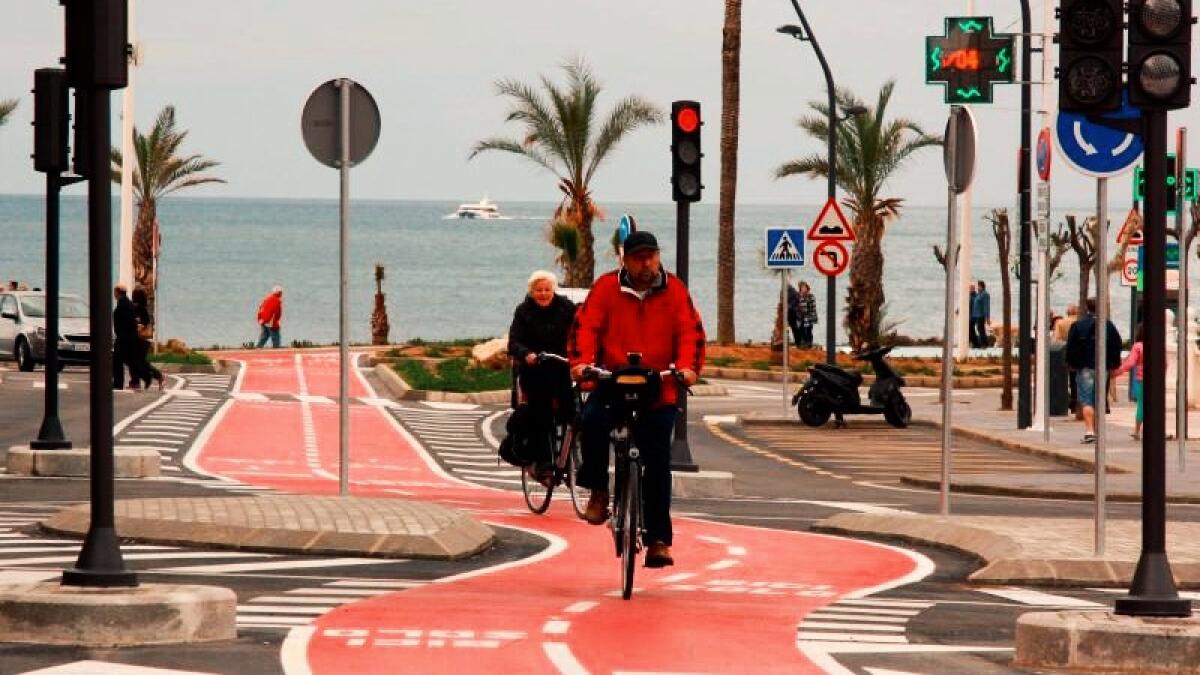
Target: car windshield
(34,307)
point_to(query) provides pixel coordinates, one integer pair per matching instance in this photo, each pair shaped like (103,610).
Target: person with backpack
(1081,356)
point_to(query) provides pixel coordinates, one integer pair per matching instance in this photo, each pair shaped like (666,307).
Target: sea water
(462,278)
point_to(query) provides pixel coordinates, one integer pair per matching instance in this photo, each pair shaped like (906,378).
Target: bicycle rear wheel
(579,494)
(629,531)
(537,494)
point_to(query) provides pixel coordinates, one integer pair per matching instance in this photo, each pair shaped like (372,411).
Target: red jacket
(664,327)
(271,310)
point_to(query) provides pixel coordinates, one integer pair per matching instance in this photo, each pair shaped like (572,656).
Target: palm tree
(160,170)
(6,108)
(560,135)
(870,148)
(731,74)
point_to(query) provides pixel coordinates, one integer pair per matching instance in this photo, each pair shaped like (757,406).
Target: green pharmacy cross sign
(968,59)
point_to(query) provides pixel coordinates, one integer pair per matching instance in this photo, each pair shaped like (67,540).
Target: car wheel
(24,356)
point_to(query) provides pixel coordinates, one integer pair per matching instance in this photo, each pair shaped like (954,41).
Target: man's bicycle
(628,392)
(539,482)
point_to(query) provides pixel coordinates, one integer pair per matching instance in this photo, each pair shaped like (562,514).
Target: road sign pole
(1153,591)
(681,450)
(784,281)
(1025,261)
(1181,323)
(948,328)
(343,321)
(1101,325)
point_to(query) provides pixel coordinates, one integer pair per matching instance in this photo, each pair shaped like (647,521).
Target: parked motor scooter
(831,390)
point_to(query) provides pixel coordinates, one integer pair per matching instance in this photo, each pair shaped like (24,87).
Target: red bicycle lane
(731,604)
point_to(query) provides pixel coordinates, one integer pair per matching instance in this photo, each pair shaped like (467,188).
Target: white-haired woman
(541,323)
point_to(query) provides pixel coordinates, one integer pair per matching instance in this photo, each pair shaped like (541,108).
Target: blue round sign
(1095,149)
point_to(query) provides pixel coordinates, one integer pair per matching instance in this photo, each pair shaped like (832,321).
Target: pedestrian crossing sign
(785,247)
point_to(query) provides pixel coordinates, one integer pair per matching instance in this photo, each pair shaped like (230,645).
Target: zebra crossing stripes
(876,621)
(454,436)
(208,383)
(300,606)
(168,428)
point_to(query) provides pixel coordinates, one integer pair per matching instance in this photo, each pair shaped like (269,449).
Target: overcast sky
(239,71)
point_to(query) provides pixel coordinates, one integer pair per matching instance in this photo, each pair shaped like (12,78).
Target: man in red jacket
(269,314)
(637,309)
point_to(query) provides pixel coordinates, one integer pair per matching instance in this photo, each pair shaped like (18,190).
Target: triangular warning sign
(785,250)
(1132,229)
(831,224)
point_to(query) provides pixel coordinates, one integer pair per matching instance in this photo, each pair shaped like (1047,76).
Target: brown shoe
(659,555)
(597,508)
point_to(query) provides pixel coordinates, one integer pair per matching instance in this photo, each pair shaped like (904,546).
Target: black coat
(125,324)
(1081,344)
(541,329)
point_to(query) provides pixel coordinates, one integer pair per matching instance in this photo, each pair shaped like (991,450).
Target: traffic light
(1160,62)
(685,151)
(50,120)
(83,134)
(97,34)
(1090,34)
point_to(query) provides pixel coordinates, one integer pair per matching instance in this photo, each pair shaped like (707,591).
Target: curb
(1004,559)
(1034,449)
(1042,493)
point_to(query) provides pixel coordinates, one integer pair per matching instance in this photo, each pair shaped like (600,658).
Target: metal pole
(50,435)
(1153,591)
(1043,300)
(1101,325)
(681,451)
(831,187)
(343,319)
(949,328)
(1181,323)
(1025,354)
(100,562)
(783,305)
(128,161)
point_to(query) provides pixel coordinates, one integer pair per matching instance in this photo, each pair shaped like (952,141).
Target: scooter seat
(849,377)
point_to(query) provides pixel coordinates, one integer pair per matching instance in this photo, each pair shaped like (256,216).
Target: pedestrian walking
(804,309)
(1081,355)
(125,348)
(1061,329)
(1133,365)
(270,312)
(981,316)
(141,312)
(971,293)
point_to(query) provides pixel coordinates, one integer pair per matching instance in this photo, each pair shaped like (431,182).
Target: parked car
(23,329)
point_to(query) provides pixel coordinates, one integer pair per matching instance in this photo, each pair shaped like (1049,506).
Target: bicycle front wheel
(629,530)
(579,494)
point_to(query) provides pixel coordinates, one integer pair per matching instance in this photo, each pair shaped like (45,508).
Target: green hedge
(455,375)
(191,358)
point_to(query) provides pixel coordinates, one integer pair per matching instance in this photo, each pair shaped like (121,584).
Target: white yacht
(484,209)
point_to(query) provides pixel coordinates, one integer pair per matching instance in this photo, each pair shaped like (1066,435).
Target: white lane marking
(724,564)
(315,399)
(94,667)
(281,565)
(556,627)
(580,607)
(284,609)
(843,625)
(499,472)
(720,419)
(156,433)
(137,414)
(711,540)
(486,429)
(46,560)
(293,653)
(273,621)
(305,600)
(561,657)
(878,611)
(887,602)
(312,451)
(443,405)
(26,577)
(249,396)
(884,671)
(736,550)
(1027,596)
(500,481)
(377,583)
(340,592)
(676,578)
(461,462)
(857,617)
(850,637)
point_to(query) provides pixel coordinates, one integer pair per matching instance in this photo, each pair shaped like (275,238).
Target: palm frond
(529,150)
(629,114)
(6,108)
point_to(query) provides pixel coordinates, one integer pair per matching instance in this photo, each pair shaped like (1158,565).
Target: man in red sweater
(637,309)
(269,314)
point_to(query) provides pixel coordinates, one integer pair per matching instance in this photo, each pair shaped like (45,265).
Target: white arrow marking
(1088,148)
(1123,146)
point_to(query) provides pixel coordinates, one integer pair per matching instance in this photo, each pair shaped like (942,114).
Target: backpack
(528,440)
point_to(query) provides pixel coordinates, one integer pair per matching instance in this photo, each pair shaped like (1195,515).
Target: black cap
(640,241)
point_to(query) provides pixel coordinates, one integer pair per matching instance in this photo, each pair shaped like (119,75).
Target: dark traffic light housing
(1090,45)
(97,33)
(685,151)
(1160,62)
(50,117)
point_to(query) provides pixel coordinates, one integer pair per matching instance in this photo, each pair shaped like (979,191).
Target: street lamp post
(804,33)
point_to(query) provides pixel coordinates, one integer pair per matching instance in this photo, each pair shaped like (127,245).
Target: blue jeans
(268,333)
(652,434)
(1085,382)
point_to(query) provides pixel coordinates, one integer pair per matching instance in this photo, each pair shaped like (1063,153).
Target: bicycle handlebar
(543,357)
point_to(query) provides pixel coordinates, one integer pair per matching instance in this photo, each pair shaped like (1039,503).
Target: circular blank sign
(320,123)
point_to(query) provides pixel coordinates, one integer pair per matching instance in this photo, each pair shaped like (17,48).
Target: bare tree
(1003,233)
(1083,241)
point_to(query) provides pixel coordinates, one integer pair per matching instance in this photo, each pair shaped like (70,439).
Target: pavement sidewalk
(1046,551)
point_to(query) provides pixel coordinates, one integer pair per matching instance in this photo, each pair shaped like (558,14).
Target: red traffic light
(687,119)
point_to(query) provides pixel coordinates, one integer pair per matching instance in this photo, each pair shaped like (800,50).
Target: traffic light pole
(1025,299)
(681,451)
(1153,591)
(50,434)
(100,562)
